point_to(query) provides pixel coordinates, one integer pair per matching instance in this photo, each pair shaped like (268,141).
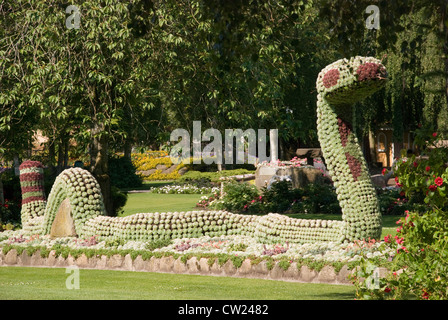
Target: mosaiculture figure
(75,204)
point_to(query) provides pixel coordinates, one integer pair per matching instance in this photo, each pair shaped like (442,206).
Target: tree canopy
(133,71)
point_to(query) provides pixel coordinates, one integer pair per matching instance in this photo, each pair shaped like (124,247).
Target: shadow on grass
(336,295)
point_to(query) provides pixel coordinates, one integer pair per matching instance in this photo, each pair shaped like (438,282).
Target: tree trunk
(52,156)
(60,164)
(445,43)
(128,128)
(127,148)
(16,162)
(99,164)
(66,147)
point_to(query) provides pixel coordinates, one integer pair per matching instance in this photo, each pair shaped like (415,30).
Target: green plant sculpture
(340,85)
(33,196)
(84,195)
(75,184)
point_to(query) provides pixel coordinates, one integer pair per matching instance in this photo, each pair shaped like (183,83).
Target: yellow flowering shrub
(142,161)
(159,175)
(150,160)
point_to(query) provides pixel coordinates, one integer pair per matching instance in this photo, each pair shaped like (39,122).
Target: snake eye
(330,78)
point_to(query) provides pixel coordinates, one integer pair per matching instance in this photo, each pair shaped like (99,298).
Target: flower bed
(211,232)
(185,189)
(217,251)
(294,162)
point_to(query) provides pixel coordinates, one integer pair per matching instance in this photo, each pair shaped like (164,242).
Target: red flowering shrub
(9,213)
(419,268)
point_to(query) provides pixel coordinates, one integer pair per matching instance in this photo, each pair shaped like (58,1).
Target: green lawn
(154,202)
(50,284)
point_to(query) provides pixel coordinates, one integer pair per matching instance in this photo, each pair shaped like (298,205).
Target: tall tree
(78,79)
(244,64)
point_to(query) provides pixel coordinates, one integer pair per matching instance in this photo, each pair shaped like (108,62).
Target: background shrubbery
(10,211)
(122,173)
(213,176)
(279,198)
(282,198)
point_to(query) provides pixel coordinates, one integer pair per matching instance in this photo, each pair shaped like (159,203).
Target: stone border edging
(170,265)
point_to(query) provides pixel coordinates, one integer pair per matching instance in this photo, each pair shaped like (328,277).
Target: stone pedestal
(263,175)
(300,176)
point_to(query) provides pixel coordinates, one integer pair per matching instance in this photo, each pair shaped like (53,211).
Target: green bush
(119,200)
(237,196)
(10,211)
(123,174)
(394,202)
(313,198)
(279,198)
(199,183)
(317,198)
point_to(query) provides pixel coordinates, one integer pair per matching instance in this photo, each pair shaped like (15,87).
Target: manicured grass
(154,202)
(50,283)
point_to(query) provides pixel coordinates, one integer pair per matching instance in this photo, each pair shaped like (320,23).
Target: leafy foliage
(313,198)
(419,267)
(279,198)
(237,196)
(119,200)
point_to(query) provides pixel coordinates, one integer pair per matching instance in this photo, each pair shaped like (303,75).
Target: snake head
(349,81)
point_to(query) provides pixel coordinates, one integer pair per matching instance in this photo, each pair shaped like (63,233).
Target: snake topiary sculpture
(81,190)
(340,85)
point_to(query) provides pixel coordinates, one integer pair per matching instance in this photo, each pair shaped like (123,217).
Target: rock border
(169,264)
